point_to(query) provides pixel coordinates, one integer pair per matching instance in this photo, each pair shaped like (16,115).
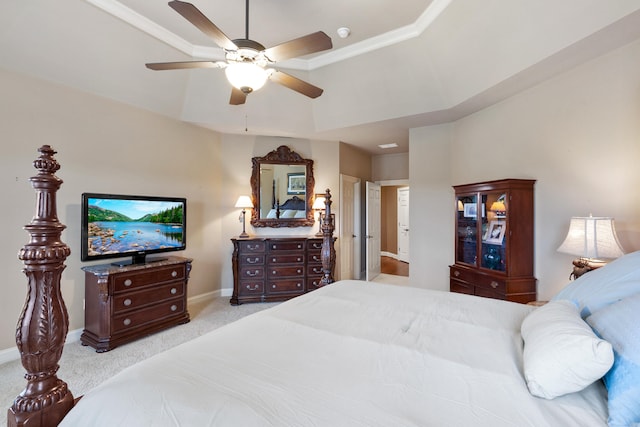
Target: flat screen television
(118,226)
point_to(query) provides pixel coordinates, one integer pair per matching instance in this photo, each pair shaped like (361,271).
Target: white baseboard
(11,354)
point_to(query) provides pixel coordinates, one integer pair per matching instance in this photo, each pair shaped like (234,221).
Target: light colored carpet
(82,368)
(391,279)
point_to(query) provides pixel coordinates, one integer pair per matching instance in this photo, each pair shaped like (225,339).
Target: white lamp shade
(244,202)
(592,237)
(246,75)
(318,204)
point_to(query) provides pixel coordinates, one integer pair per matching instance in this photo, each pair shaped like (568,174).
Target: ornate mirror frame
(283,155)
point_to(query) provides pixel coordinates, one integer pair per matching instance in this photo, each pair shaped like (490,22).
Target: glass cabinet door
(467,229)
(494,228)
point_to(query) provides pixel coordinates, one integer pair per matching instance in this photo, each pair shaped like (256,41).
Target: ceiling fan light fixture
(246,76)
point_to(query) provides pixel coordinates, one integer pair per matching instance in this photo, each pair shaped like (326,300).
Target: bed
(357,353)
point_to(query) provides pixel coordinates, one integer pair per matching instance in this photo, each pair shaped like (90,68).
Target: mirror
(282,189)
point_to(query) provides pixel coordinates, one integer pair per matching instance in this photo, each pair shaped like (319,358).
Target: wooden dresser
(275,268)
(125,303)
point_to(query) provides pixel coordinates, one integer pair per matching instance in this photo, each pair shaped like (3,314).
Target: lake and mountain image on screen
(115,226)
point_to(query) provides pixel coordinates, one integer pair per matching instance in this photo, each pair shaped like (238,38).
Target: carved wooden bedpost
(328,253)
(43,324)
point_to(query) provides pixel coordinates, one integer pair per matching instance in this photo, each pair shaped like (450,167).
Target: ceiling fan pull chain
(246,20)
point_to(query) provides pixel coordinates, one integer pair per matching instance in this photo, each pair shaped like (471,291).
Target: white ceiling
(426,62)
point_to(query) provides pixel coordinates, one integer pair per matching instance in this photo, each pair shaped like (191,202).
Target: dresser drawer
(491,283)
(251,259)
(461,287)
(314,258)
(291,285)
(314,270)
(135,300)
(313,283)
(285,271)
(250,288)
(314,245)
(128,281)
(288,245)
(251,272)
(252,247)
(147,315)
(286,258)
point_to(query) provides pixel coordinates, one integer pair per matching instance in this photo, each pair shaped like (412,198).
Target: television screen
(119,226)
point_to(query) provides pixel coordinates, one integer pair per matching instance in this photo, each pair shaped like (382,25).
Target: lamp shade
(244,202)
(318,204)
(246,76)
(592,237)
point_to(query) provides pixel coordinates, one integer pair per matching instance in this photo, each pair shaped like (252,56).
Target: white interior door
(403,224)
(373,230)
(349,227)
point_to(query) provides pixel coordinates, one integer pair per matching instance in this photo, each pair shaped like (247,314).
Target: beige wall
(390,167)
(578,135)
(389,219)
(106,147)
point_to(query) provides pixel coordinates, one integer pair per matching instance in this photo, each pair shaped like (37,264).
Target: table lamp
(244,202)
(593,239)
(318,205)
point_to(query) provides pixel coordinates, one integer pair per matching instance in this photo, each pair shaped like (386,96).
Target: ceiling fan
(247,61)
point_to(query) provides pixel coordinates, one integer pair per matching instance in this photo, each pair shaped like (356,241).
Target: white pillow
(287,214)
(561,353)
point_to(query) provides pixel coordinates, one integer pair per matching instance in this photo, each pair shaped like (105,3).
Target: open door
(373,230)
(403,224)
(349,227)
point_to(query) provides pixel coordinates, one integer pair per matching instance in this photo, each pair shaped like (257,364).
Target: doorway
(395,229)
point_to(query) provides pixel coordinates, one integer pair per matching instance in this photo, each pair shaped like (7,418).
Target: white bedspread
(350,354)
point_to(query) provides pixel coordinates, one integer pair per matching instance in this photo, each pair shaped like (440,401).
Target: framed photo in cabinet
(495,235)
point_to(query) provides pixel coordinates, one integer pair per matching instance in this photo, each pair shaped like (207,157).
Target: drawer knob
(174,291)
(174,273)
(253,260)
(127,302)
(493,284)
(126,322)
(174,307)
(253,273)
(274,260)
(317,270)
(299,271)
(299,246)
(252,247)
(273,286)
(299,259)
(128,282)
(252,287)
(456,273)
(315,258)
(299,285)
(273,272)
(274,246)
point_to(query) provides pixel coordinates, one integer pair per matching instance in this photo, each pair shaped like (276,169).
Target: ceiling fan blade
(197,18)
(296,84)
(158,66)
(238,97)
(304,45)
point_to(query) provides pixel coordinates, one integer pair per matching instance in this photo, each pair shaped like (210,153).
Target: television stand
(137,261)
(123,304)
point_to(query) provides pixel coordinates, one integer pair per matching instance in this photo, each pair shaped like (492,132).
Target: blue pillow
(619,324)
(599,288)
